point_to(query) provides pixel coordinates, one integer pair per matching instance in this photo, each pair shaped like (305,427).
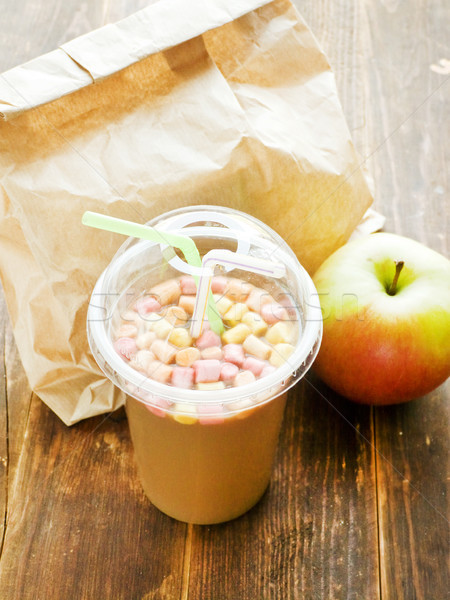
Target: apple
(386,315)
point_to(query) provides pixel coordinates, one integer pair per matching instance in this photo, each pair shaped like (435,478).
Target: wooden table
(357,506)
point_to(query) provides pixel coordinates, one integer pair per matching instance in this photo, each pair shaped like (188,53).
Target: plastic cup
(203,457)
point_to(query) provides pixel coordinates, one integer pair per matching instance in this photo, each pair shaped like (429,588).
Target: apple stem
(398,268)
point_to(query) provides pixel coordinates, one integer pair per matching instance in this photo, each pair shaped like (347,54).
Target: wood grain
(410,165)
(357,506)
(79,525)
(314,535)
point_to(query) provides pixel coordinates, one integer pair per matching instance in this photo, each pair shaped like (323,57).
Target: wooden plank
(79,525)
(411,470)
(410,164)
(314,534)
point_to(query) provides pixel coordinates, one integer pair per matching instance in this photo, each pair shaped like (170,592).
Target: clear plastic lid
(139,264)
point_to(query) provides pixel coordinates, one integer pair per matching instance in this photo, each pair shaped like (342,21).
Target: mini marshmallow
(150,319)
(268,369)
(238,290)
(147,304)
(145,340)
(183,377)
(188,416)
(234,314)
(206,371)
(257,298)
(233,353)
(272,312)
(126,347)
(223,303)
(218,284)
(254,365)
(208,338)
(280,354)
(213,414)
(281,332)
(187,357)
(254,345)
(163,351)
(243,378)
(167,292)
(228,371)
(212,352)
(142,360)
(188,285)
(176,315)
(159,371)
(256,323)
(130,316)
(180,337)
(187,303)
(162,328)
(208,387)
(127,330)
(158,407)
(236,335)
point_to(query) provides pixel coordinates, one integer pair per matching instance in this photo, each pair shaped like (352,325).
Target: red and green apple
(386,312)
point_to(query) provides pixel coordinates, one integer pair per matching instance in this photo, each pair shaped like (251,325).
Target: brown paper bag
(229,102)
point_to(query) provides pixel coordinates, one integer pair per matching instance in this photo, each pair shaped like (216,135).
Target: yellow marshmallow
(215,385)
(180,337)
(234,314)
(162,328)
(256,323)
(223,303)
(280,333)
(280,354)
(150,319)
(186,419)
(236,335)
(253,345)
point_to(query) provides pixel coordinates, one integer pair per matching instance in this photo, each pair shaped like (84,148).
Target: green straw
(183,243)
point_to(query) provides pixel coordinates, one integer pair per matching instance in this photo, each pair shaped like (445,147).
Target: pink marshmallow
(183,377)
(254,365)
(208,338)
(207,371)
(228,372)
(212,414)
(257,299)
(188,285)
(126,347)
(273,312)
(218,285)
(233,353)
(160,406)
(146,305)
(268,369)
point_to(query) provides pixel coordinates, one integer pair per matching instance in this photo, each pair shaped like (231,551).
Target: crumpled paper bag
(227,102)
